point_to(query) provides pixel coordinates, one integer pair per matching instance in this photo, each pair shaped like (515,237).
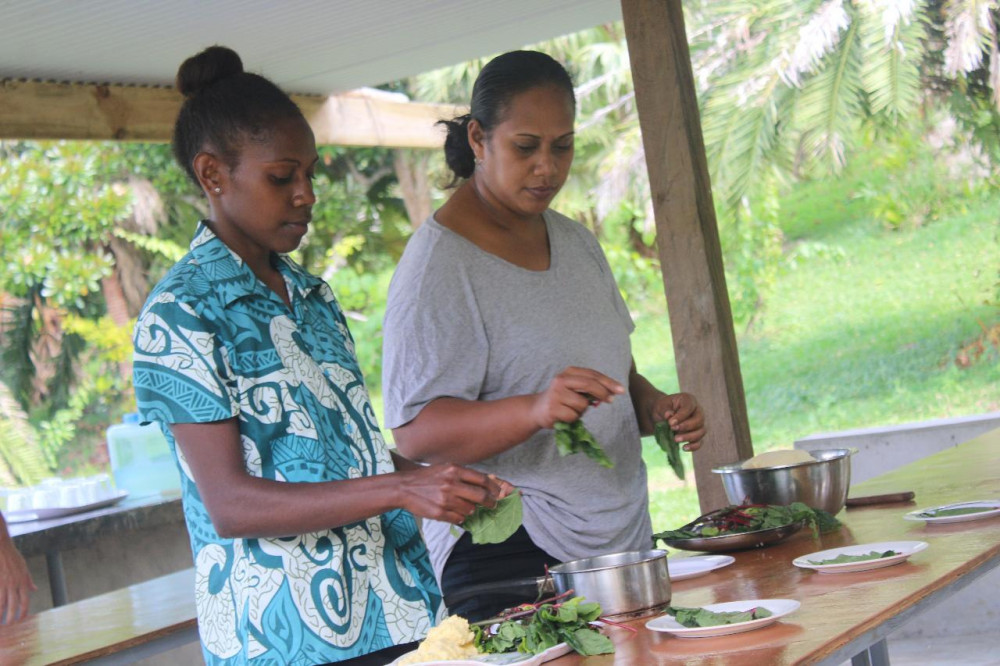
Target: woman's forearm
(283,509)
(466,431)
(244,506)
(644,396)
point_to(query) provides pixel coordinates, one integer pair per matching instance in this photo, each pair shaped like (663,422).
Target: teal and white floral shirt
(212,343)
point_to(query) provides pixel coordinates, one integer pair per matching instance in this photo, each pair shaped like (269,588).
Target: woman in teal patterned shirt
(301,521)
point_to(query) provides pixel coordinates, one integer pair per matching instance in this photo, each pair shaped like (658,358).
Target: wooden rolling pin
(888,498)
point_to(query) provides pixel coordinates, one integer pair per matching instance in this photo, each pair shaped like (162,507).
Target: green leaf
(941,513)
(844,558)
(588,642)
(575,438)
(497,524)
(664,436)
(702,617)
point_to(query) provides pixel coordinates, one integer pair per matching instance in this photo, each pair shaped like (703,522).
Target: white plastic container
(141,461)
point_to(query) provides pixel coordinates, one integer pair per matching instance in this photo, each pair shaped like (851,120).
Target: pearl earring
(218,190)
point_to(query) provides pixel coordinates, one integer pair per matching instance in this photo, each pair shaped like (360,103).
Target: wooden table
(843,616)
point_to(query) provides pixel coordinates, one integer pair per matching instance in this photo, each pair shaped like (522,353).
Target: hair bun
(207,68)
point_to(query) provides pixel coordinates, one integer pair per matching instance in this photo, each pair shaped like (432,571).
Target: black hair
(223,106)
(498,83)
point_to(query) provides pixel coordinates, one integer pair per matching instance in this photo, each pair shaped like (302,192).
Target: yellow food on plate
(777,458)
(452,639)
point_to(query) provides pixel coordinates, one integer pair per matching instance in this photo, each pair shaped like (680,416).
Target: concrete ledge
(883,449)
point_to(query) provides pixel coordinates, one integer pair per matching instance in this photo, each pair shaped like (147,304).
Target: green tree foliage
(57,209)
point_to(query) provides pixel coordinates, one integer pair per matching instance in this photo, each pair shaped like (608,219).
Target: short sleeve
(179,369)
(434,343)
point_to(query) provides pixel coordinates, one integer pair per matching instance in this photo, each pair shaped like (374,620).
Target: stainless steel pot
(633,583)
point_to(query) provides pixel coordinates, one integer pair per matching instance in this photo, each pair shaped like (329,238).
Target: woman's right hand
(570,393)
(449,492)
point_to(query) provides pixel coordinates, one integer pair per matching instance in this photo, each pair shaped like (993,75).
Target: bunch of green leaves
(534,628)
(702,617)
(575,438)
(665,438)
(495,525)
(844,558)
(752,518)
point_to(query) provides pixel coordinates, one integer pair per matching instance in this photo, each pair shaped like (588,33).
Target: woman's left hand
(684,415)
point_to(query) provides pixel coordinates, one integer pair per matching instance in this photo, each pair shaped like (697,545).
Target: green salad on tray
(743,518)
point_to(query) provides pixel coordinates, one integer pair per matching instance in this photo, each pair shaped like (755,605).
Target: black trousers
(471,564)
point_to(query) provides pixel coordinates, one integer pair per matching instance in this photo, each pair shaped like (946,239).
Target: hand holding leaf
(495,525)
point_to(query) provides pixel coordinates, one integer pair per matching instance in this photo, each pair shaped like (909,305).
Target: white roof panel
(305,46)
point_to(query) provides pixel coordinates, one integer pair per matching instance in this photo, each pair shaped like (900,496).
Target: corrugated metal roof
(305,46)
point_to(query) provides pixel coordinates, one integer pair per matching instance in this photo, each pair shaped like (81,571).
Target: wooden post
(687,235)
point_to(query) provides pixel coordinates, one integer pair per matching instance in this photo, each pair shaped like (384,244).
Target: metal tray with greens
(746,526)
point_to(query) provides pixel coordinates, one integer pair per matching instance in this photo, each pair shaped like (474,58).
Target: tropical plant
(72,223)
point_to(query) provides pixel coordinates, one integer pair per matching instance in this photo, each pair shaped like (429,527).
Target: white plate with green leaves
(959,512)
(732,617)
(860,557)
(682,568)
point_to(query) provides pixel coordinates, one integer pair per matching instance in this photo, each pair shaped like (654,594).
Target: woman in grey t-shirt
(504,318)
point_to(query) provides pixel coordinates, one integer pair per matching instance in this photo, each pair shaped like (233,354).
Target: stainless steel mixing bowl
(821,484)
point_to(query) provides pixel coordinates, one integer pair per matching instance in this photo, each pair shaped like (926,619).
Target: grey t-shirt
(464,323)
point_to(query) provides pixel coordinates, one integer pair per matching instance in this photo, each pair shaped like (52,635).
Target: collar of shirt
(231,277)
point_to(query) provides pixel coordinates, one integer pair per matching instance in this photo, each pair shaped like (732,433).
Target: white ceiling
(305,46)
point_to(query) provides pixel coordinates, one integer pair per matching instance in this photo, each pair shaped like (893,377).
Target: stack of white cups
(60,493)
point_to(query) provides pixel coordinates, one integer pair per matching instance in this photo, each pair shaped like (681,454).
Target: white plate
(904,548)
(27,515)
(993,505)
(683,568)
(504,659)
(778,607)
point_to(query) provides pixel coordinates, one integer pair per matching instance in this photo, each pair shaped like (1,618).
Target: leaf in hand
(575,438)
(664,436)
(497,524)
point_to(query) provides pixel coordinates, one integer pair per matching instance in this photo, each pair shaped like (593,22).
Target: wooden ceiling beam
(37,110)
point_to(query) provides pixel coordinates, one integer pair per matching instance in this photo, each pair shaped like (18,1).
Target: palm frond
(18,334)
(891,63)
(828,110)
(22,457)
(165,248)
(742,145)
(969,30)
